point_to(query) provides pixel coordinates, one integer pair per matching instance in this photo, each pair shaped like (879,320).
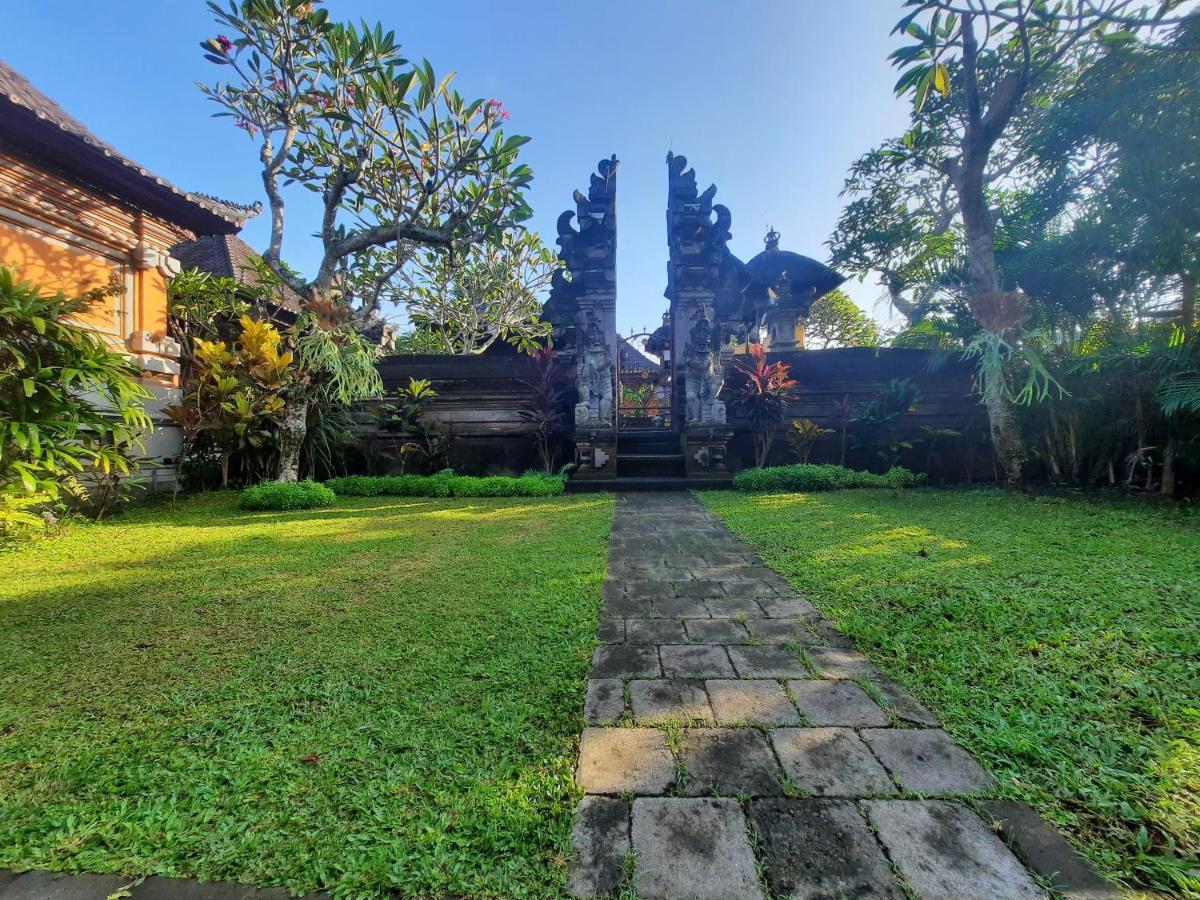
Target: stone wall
(827,377)
(478,405)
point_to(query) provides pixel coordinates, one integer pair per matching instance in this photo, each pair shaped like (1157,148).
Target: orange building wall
(63,237)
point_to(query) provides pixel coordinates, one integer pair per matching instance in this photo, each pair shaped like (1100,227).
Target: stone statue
(702,376)
(594,378)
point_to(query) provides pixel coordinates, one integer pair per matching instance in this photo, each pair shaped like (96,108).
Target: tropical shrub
(764,395)
(448,484)
(72,407)
(406,431)
(232,402)
(545,405)
(822,478)
(281,495)
(803,435)
(874,422)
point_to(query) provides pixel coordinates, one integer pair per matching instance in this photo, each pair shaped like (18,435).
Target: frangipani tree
(468,301)
(399,158)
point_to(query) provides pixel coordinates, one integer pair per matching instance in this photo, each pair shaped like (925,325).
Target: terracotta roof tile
(33,125)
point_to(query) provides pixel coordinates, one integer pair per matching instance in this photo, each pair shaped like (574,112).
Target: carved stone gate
(642,419)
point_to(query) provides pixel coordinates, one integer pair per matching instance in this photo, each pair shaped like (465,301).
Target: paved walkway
(738,747)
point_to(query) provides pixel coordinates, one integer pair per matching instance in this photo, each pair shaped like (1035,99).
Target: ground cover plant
(448,484)
(822,477)
(1059,639)
(383,696)
(286,495)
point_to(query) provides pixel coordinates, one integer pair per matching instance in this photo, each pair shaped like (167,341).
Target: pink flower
(248,127)
(226,43)
(496,108)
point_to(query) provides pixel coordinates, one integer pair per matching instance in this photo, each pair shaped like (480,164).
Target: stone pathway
(737,746)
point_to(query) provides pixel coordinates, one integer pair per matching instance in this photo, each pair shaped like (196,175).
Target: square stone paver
(729,761)
(605,701)
(751,588)
(696,849)
(946,852)
(837,703)
(781,631)
(611,631)
(787,607)
(695,660)
(739,702)
(625,661)
(654,631)
(716,631)
(1043,850)
(904,705)
(700,589)
(821,848)
(831,762)
(734,608)
(927,760)
(647,591)
(767,662)
(835,662)
(620,760)
(669,700)
(680,608)
(601,840)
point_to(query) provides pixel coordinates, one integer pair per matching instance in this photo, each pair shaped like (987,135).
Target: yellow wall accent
(64,237)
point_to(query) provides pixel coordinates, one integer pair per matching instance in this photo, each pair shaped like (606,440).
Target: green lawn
(1058,639)
(383,695)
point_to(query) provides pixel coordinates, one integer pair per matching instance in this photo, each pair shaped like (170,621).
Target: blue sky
(769,99)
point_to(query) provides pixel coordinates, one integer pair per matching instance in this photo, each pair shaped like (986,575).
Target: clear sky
(771,100)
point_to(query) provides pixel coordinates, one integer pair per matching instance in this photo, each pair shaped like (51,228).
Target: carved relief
(594,378)
(703,376)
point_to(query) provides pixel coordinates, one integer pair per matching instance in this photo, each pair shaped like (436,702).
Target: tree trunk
(993,314)
(1188,307)
(291,436)
(1168,469)
(225,468)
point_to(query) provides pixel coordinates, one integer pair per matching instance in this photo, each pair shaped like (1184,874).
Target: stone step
(631,483)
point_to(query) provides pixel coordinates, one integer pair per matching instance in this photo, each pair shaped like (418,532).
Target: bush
(806,477)
(287,495)
(447,484)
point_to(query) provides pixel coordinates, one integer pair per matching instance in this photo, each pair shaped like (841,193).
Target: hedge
(285,495)
(447,484)
(807,477)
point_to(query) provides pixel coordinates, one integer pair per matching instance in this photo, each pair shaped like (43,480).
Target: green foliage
(811,477)
(874,422)
(400,159)
(764,393)
(254,679)
(20,519)
(466,301)
(71,406)
(803,435)
(447,484)
(278,495)
(1055,638)
(544,406)
(837,321)
(232,401)
(412,433)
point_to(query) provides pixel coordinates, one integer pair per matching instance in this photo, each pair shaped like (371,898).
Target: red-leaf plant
(764,395)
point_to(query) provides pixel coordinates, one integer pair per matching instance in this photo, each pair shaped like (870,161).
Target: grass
(1058,639)
(383,696)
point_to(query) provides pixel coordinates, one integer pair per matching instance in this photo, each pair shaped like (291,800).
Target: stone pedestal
(595,454)
(704,451)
